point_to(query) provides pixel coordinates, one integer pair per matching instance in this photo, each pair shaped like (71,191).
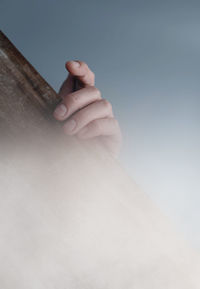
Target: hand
(87,114)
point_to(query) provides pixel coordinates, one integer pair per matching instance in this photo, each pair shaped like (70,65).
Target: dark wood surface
(26,99)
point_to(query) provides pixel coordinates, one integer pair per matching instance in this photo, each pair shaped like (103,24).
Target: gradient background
(146,57)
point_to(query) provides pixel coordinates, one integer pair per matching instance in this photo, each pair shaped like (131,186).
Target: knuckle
(97,126)
(72,99)
(107,104)
(96,91)
(80,117)
(92,76)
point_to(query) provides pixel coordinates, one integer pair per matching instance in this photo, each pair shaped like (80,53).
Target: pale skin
(84,112)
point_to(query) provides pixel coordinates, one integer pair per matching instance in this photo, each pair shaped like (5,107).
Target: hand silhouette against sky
(84,112)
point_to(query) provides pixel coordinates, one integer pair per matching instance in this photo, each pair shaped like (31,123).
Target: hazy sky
(146,57)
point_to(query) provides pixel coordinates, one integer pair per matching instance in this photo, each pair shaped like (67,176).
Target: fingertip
(72,64)
(81,70)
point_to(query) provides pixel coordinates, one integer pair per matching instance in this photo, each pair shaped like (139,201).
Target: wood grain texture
(26,100)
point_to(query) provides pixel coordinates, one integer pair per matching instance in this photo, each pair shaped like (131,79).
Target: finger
(67,86)
(99,109)
(100,127)
(75,101)
(82,72)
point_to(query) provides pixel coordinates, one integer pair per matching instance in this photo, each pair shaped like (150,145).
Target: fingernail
(76,64)
(60,110)
(69,125)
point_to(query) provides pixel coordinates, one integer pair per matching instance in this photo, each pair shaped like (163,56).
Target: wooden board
(24,94)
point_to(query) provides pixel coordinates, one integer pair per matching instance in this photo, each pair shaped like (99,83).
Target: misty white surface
(75,220)
(146,56)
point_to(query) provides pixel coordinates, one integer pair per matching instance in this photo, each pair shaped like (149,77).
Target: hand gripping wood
(70,216)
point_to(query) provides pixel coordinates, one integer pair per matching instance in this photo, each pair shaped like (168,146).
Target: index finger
(82,72)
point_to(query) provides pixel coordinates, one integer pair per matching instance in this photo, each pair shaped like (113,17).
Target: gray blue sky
(146,57)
